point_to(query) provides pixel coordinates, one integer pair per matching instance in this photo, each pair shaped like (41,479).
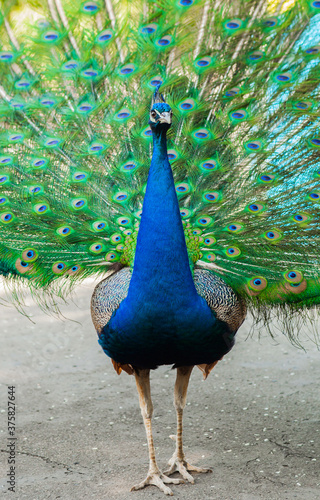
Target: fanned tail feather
(243,81)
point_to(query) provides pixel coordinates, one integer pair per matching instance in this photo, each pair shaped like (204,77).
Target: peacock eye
(153,114)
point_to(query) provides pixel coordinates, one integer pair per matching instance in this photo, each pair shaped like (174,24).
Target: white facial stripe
(165,117)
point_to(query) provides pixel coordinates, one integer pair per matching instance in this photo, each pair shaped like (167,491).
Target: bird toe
(159,480)
(183,467)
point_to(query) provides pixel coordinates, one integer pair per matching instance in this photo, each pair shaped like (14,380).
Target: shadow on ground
(255,421)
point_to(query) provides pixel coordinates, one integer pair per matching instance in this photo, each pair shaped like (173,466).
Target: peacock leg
(155,476)
(177,461)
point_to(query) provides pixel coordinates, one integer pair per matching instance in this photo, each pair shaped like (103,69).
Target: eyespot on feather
(238,116)
(90,74)
(50,36)
(58,268)
(295,287)
(255,56)
(41,208)
(75,269)
(6,160)
(185,3)
(6,217)
(164,42)
(78,203)
(201,134)
(129,166)
(255,208)
(211,196)
(312,51)
(16,137)
(22,267)
(123,115)
(187,105)
(314,196)
(155,81)
(235,227)
(302,217)
(283,78)
(258,283)
(233,252)
(302,105)
(208,256)
(138,214)
(29,255)
(233,25)
(315,4)
(96,148)
(111,257)
(272,235)
(146,133)
(7,57)
(79,177)
(52,142)
(230,93)
(116,238)
(4,179)
(183,188)
(270,22)
(96,247)
(121,196)
(204,221)
(126,70)
(173,154)
(185,213)
(85,108)
(47,101)
(104,37)
(39,163)
(4,201)
(71,65)
(149,29)
(266,178)
(293,276)
(90,8)
(209,241)
(253,146)
(124,221)
(35,190)
(99,225)
(23,84)
(64,231)
(209,165)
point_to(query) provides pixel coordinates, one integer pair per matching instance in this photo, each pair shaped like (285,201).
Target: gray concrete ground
(255,421)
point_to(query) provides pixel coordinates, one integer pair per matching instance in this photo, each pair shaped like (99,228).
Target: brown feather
(206,369)
(125,367)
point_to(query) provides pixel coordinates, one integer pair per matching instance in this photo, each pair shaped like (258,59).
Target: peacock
(172,148)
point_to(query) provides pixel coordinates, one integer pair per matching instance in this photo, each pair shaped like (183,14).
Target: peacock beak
(165,117)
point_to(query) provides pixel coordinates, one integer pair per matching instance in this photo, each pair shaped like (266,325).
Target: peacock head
(160,113)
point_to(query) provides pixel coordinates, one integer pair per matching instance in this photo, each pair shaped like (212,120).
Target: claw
(158,479)
(182,466)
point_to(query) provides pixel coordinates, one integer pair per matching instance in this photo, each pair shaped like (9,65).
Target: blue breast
(163,320)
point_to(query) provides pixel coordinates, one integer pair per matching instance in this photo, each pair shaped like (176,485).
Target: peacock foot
(157,479)
(179,464)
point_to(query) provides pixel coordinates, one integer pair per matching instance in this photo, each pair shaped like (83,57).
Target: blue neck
(161,267)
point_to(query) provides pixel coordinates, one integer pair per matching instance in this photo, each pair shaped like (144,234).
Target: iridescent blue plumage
(163,320)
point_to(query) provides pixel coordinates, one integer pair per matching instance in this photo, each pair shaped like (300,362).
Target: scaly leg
(178,462)
(155,476)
